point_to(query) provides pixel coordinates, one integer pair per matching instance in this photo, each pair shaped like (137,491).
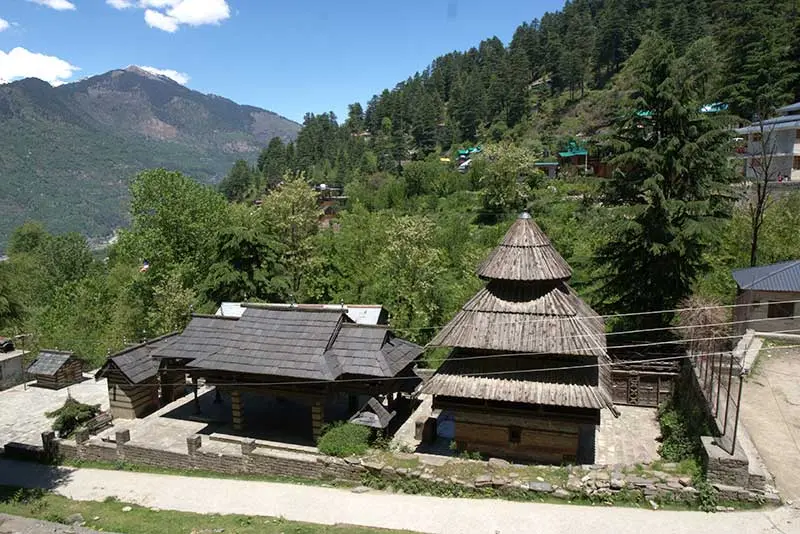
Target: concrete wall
(757,314)
(11,372)
(784,142)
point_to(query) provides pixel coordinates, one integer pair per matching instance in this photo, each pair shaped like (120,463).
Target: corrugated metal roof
(49,362)
(789,108)
(360,313)
(783,276)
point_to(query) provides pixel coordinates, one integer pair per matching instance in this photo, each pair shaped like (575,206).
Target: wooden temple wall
(128,401)
(524,436)
(635,388)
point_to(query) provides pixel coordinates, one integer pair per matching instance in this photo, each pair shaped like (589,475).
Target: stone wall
(251,459)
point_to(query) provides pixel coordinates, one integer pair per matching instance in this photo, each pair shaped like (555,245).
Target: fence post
(719,386)
(728,397)
(736,422)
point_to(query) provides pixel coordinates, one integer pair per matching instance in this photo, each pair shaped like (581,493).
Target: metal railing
(720,378)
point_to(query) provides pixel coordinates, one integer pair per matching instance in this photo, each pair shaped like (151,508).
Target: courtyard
(23,407)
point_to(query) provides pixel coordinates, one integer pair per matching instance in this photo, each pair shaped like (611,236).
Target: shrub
(71,416)
(346,439)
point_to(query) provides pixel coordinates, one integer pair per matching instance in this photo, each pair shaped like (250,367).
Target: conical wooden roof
(525,255)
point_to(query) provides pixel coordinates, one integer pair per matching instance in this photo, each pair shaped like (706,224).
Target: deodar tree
(670,186)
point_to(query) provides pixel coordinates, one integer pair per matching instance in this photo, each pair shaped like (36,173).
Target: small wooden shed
(132,376)
(55,369)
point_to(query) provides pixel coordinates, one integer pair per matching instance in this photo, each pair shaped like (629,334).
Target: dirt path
(771,414)
(417,513)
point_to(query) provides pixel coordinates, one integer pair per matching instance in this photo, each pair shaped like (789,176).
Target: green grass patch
(346,439)
(108,516)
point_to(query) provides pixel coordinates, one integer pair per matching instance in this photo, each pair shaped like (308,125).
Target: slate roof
(49,362)
(137,362)
(783,276)
(315,344)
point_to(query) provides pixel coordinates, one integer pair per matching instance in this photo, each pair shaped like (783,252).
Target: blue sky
(289,56)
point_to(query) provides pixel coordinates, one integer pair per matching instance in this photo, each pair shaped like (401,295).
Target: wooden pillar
(317,418)
(196,400)
(237,409)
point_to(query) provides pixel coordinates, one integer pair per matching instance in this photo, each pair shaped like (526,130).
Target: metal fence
(720,377)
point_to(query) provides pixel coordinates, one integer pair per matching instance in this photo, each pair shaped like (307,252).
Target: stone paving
(771,414)
(628,439)
(23,407)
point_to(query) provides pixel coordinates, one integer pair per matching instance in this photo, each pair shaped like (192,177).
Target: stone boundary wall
(251,460)
(593,482)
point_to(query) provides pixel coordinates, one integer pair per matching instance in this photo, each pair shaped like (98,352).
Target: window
(755,138)
(514,434)
(797,134)
(796,163)
(780,309)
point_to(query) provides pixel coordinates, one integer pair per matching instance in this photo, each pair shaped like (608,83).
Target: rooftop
(789,109)
(360,313)
(136,363)
(304,343)
(11,355)
(49,362)
(783,276)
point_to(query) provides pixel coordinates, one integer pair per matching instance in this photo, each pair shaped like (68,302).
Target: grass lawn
(109,516)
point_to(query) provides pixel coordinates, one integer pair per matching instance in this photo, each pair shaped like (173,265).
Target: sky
(291,57)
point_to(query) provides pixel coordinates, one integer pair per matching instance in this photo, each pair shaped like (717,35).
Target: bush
(71,416)
(344,440)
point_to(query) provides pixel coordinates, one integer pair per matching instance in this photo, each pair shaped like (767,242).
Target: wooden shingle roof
(313,344)
(49,362)
(526,255)
(136,363)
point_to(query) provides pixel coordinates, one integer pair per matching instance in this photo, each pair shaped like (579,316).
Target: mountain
(67,153)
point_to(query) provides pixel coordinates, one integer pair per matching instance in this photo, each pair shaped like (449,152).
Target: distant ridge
(69,152)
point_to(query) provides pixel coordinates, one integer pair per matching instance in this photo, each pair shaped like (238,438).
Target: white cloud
(22,63)
(198,12)
(169,15)
(156,19)
(4,24)
(180,77)
(120,4)
(58,5)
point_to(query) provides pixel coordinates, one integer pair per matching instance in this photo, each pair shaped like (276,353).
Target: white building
(11,370)
(782,136)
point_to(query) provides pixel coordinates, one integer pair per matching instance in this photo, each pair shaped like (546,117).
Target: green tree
(246,263)
(172,305)
(239,183)
(174,221)
(272,162)
(12,310)
(292,213)
(507,180)
(30,238)
(670,186)
(67,258)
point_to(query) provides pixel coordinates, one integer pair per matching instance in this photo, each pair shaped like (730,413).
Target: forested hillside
(69,152)
(628,79)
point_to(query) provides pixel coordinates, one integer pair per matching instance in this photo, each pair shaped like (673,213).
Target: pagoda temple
(528,371)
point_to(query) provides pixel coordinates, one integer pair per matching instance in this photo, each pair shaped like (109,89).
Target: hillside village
(561,271)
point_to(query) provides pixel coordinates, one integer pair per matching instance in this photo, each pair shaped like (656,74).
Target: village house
(768,297)
(782,134)
(55,369)
(528,371)
(314,363)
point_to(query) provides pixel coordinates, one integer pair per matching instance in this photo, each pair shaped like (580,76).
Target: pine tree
(239,182)
(669,186)
(272,162)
